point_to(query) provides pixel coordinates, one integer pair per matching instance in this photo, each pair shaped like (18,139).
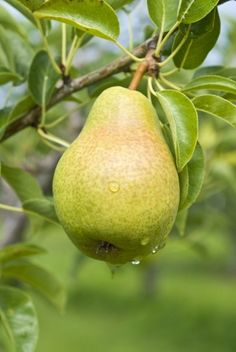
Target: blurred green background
(181,299)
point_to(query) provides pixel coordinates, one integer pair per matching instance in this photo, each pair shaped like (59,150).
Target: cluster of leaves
(187,30)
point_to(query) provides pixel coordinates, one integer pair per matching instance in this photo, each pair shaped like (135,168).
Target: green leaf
(32,5)
(181,221)
(9,23)
(17,4)
(212,82)
(15,251)
(15,112)
(217,107)
(22,53)
(39,279)
(23,183)
(200,40)
(22,106)
(18,319)
(8,76)
(184,185)
(4,113)
(229,72)
(196,176)
(191,11)
(42,207)
(42,78)
(17,52)
(118,4)
(183,120)
(163,13)
(6,59)
(94,17)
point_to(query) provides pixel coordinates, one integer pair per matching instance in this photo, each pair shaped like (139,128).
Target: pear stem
(148,65)
(139,73)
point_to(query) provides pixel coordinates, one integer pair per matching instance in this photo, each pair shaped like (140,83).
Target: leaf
(22,106)
(118,4)
(42,207)
(163,13)
(181,221)
(23,183)
(22,53)
(9,23)
(8,76)
(15,112)
(39,279)
(18,52)
(183,120)
(184,185)
(217,107)
(229,72)
(94,17)
(211,82)
(18,318)
(32,5)
(17,4)
(4,113)
(200,40)
(15,251)
(6,59)
(196,176)
(42,78)
(191,11)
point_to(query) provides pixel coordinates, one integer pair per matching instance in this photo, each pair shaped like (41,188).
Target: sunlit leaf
(32,4)
(212,82)
(94,17)
(191,11)
(216,106)
(183,120)
(163,13)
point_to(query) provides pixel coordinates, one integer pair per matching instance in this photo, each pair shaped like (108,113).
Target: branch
(32,118)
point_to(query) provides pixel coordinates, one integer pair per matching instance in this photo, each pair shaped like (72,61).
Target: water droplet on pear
(135,262)
(114,186)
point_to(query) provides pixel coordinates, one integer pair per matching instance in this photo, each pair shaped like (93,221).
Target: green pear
(116,188)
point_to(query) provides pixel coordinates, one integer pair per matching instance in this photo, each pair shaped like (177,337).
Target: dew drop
(114,186)
(155,249)
(145,241)
(135,262)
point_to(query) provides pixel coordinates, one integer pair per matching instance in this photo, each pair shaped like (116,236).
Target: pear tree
(136,169)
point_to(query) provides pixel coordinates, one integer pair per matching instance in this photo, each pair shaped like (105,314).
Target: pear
(116,188)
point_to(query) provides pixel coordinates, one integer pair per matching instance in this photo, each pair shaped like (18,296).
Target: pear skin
(116,188)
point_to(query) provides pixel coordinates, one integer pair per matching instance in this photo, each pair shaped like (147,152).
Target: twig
(149,65)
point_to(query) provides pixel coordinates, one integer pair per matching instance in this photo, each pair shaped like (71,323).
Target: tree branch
(33,116)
